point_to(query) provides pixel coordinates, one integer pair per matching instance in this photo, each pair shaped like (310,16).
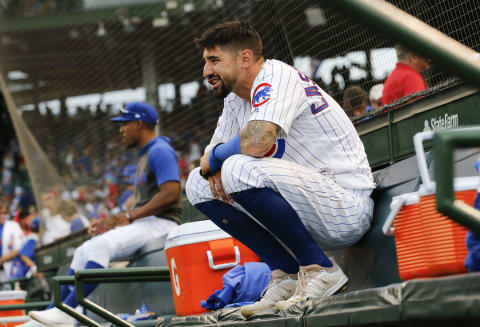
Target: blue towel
(240,284)
(472,261)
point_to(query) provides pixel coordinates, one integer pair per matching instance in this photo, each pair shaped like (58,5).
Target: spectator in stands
(84,163)
(24,264)
(25,219)
(11,238)
(355,101)
(68,210)
(157,208)
(55,226)
(405,79)
(375,97)
(7,181)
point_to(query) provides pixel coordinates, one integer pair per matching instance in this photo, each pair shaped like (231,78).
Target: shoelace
(273,290)
(308,285)
(301,285)
(315,284)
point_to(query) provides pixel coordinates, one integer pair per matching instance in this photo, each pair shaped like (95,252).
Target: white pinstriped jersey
(315,131)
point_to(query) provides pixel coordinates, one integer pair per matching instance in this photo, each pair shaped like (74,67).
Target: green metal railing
(57,283)
(82,277)
(12,282)
(102,276)
(444,144)
(25,306)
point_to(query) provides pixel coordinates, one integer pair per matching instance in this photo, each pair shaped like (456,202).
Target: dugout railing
(102,276)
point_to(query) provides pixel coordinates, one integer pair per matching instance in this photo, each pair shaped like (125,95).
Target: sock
(65,289)
(246,230)
(276,214)
(88,288)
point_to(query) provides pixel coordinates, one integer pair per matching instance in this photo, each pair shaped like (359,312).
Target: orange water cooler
(12,297)
(198,255)
(428,243)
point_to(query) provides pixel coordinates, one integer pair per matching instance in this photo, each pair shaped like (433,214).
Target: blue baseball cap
(137,111)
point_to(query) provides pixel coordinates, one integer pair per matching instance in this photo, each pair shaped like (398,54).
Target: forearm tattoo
(261,133)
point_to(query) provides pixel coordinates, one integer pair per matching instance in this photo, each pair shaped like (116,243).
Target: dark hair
(23,213)
(354,98)
(237,35)
(402,52)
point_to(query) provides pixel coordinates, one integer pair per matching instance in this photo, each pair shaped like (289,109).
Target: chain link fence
(68,65)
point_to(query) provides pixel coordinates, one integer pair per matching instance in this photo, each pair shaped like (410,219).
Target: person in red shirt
(405,79)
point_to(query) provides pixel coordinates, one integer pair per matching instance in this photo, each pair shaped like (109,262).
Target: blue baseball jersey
(158,164)
(314,131)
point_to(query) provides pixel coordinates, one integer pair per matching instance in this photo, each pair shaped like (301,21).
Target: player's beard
(224,89)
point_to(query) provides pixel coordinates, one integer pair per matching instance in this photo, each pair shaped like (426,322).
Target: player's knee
(230,165)
(233,167)
(81,252)
(101,255)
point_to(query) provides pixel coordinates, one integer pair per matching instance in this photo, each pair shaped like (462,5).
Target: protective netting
(71,64)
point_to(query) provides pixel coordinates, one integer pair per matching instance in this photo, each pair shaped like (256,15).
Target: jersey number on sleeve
(312,91)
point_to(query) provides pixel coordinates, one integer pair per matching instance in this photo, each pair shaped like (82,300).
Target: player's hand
(119,220)
(100,226)
(216,187)
(205,163)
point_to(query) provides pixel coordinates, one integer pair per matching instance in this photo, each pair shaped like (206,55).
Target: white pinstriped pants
(335,217)
(120,242)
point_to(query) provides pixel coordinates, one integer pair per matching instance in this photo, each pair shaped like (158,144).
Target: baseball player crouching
(285,172)
(156,211)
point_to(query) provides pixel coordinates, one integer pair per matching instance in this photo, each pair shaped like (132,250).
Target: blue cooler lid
(196,232)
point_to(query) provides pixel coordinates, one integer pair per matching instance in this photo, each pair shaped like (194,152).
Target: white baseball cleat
(53,317)
(315,281)
(281,287)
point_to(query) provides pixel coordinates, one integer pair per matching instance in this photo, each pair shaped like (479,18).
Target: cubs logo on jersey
(261,95)
(277,150)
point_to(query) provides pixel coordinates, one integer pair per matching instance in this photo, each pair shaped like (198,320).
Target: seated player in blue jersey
(285,172)
(24,264)
(156,211)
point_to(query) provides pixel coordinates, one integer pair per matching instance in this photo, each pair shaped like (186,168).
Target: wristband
(222,151)
(127,215)
(215,163)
